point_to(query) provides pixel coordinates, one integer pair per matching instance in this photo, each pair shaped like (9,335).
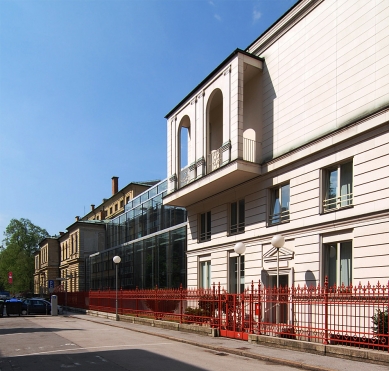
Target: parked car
(38,306)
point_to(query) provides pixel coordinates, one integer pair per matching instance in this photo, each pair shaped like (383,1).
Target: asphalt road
(55,343)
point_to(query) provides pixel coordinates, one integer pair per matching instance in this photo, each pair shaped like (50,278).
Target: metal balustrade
(354,316)
(338,202)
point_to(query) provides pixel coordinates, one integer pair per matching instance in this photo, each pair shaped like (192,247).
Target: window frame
(240,213)
(271,194)
(339,202)
(204,235)
(205,261)
(328,271)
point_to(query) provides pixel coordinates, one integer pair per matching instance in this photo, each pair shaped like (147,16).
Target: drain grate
(243,348)
(221,354)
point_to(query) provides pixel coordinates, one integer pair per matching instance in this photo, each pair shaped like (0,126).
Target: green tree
(17,254)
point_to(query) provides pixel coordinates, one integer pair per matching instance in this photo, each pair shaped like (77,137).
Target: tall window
(233,274)
(205,274)
(279,204)
(237,217)
(338,186)
(205,227)
(338,263)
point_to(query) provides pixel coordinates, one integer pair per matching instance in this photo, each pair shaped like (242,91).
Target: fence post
(326,311)
(156,302)
(121,301)
(220,308)
(259,307)
(251,314)
(136,301)
(213,305)
(181,303)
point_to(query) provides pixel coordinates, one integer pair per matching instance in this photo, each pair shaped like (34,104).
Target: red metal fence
(352,316)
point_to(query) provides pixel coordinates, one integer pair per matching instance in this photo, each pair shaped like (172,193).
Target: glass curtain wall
(156,261)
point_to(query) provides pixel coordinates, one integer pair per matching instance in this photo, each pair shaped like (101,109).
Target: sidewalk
(292,358)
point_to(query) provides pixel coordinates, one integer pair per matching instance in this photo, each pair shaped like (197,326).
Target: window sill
(278,223)
(235,233)
(338,209)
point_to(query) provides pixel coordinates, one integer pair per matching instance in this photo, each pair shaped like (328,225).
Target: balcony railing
(249,150)
(218,157)
(338,202)
(282,217)
(187,175)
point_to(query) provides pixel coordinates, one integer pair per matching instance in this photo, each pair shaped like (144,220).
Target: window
(205,227)
(237,221)
(121,203)
(338,186)
(233,274)
(338,263)
(205,274)
(116,207)
(279,204)
(110,210)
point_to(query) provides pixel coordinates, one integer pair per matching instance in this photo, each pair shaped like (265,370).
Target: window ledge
(338,209)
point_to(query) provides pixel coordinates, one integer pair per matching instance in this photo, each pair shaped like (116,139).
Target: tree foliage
(20,244)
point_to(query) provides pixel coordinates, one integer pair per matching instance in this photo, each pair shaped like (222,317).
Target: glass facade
(151,240)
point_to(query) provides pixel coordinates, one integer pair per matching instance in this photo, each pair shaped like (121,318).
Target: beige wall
(321,98)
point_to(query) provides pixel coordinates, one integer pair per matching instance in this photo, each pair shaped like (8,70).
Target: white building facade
(290,136)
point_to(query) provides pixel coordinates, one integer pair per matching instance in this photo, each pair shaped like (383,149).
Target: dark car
(36,306)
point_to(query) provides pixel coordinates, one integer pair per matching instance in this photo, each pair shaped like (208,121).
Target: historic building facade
(290,136)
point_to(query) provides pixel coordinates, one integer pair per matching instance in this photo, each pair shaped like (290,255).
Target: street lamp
(278,242)
(116,259)
(239,248)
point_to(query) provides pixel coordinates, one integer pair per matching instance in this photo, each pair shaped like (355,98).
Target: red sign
(9,277)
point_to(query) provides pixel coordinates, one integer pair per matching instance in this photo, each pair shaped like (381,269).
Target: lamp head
(117,259)
(278,241)
(240,248)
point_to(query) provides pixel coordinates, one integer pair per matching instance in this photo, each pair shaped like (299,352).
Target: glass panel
(149,262)
(285,200)
(241,216)
(202,227)
(346,175)
(330,261)
(208,225)
(178,263)
(275,206)
(163,241)
(232,276)
(345,263)
(138,265)
(234,219)
(205,271)
(332,188)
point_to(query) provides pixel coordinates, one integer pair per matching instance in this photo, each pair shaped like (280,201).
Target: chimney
(115,185)
(92,207)
(77,218)
(61,233)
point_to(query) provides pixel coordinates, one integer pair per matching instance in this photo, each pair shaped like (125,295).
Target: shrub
(380,322)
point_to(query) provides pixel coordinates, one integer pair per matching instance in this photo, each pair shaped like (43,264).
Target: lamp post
(116,259)
(239,248)
(278,241)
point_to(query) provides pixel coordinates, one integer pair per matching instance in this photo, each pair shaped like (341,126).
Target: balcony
(221,175)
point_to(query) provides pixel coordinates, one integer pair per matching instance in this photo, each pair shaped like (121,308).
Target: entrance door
(282,297)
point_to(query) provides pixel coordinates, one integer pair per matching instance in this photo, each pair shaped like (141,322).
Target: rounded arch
(215,121)
(183,142)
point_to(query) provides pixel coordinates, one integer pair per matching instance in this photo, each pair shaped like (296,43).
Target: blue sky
(85,86)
